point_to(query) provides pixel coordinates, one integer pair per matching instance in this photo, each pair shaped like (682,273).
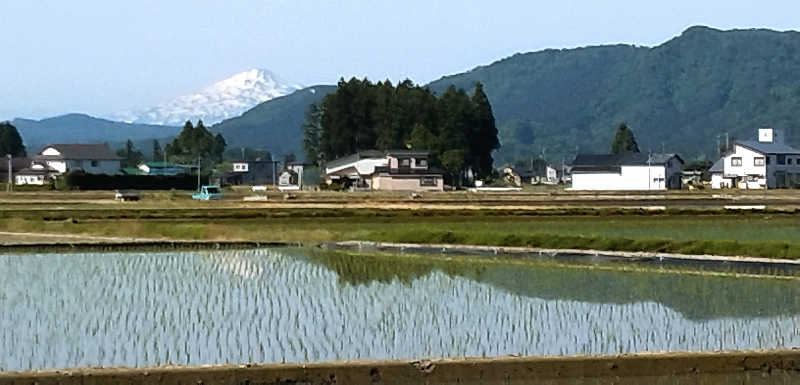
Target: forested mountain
(274,125)
(679,95)
(84,128)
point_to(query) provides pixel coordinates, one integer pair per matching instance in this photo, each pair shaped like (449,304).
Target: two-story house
(392,170)
(56,159)
(763,163)
(93,158)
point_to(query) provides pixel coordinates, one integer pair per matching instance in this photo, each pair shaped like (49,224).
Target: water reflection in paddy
(139,309)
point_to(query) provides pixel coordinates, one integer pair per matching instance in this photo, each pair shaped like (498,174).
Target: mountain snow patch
(225,99)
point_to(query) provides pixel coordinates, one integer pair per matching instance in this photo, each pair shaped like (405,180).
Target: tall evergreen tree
(196,142)
(312,135)
(623,140)
(10,141)
(484,136)
(158,153)
(131,157)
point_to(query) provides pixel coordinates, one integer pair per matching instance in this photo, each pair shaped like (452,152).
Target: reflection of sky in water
(266,306)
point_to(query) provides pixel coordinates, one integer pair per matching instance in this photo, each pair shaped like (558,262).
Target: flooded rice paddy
(299,305)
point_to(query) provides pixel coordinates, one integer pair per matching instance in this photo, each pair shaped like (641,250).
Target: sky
(103,57)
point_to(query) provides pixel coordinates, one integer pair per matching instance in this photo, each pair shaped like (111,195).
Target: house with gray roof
(93,158)
(406,170)
(626,171)
(764,163)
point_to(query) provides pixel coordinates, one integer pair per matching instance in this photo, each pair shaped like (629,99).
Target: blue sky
(101,57)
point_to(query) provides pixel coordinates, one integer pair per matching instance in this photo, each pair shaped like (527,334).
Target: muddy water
(296,305)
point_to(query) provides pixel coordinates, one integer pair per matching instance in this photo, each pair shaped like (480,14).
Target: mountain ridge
(224,99)
(78,127)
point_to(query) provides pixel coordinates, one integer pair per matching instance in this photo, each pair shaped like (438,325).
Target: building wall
(629,178)
(405,183)
(29,179)
(718,181)
(753,176)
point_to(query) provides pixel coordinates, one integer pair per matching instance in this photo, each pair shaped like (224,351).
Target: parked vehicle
(208,193)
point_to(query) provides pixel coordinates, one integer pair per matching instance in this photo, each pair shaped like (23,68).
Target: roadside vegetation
(752,234)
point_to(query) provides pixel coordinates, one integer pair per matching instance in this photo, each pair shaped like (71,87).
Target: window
(405,162)
(422,163)
(758,161)
(781,159)
(94,163)
(427,181)
(789,161)
(736,161)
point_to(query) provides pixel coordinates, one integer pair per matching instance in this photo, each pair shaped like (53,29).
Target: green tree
(483,140)
(623,140)
(10,141)
(131,157)
(195,142)
(158,153)
(453,162)
(312,135)
(422,138)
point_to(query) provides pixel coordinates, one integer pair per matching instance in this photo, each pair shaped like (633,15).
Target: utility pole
(198,174)
(274,170)
(727,142)
(10,185)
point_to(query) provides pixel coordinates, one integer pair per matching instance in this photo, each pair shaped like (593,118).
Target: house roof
(718,166)
(160,164)
(368,154)
(397,153)
(94,151)
(768,148)
(31,171)
(407,171)
(584,161)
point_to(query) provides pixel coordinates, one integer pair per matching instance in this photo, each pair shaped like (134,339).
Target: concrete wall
(404,183)
(764,367)
(629,178)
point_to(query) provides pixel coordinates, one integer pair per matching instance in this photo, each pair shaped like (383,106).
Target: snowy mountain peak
(224,99)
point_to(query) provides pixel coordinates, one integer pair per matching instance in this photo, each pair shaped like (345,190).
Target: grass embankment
(763,235)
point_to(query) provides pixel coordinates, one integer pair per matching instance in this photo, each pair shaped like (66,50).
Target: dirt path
(15,238)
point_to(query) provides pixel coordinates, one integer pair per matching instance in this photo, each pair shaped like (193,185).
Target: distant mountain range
(274,125)
(225,99)
(73,128)
(678,96)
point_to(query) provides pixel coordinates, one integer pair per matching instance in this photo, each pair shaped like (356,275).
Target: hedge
(78,180)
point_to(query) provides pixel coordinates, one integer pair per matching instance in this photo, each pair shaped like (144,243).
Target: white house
(93,158)
(626,171)
(55,159)
(766,162)
(356,169)
(36,174)
(393,170)
(291,178)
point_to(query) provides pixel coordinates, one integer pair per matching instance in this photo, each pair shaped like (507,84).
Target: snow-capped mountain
(225,99)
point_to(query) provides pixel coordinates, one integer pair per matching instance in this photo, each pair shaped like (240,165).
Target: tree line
(457,129)
(10,141)
(192,143)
